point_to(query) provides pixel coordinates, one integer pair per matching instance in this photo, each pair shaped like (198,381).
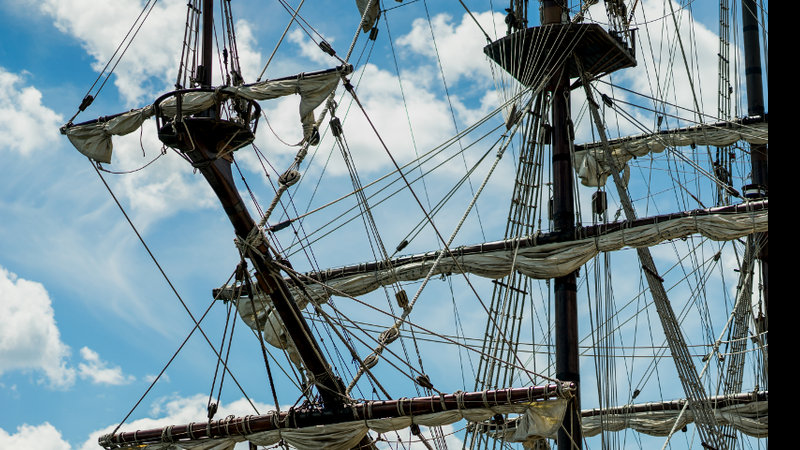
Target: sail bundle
(545,261)
(541,411)
(751,419)
(93,138)
(748,413)
(537,256)
(589,160)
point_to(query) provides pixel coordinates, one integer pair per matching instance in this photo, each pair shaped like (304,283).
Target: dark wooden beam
(533,241)
(759,154)
(302,418)
(565,303)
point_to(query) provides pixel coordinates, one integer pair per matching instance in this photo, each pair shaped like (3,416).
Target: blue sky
(86,318)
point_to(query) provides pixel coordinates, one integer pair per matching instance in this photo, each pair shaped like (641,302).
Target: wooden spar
(719,401)
(302,418)
(540,239)
(736,124)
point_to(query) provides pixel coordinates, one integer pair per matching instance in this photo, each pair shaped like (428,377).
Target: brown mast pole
(755,107)
(566,296)
(217,172)
(208,43)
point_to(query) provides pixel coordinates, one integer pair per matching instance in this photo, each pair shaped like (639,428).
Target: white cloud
(309,49)
(150,64)
(98,372)
(163,188)
(150,378)
(25,124)
(661,71)
(458,46)
(102,26)
(41,437)
(29,338)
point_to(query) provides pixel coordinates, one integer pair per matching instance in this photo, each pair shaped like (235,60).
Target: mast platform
(529,54)
(178,129)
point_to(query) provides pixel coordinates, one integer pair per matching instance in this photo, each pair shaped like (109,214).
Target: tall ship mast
(580,245)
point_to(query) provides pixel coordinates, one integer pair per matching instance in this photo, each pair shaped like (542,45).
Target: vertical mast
(208,35)
(566,297)
(755,107)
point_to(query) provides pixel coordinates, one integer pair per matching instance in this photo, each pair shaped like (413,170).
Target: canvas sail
(93,139)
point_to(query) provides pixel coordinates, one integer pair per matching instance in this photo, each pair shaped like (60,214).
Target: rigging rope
(687,372)
(446,244)
(88,99)
(374,308)
(196,322)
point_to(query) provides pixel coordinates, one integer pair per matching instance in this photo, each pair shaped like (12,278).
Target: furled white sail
(94,139)
(550,260)
(537,261)
(751,419)
(538,420)
(589,160)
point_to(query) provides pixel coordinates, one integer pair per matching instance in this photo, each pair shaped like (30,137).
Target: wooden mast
(755,107)
(566,296)
(217,172)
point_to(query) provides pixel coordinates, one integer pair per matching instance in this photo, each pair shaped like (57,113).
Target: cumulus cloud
(97,370)
(100,27)
(459,46)
(150,64)
(418,104)
(661,71)
(309,49)
(25,123)
(29,337)
(150,378)
(163,188)
(42,437)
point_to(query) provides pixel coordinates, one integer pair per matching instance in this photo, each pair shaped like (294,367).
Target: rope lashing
(166,434)
(254,240)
